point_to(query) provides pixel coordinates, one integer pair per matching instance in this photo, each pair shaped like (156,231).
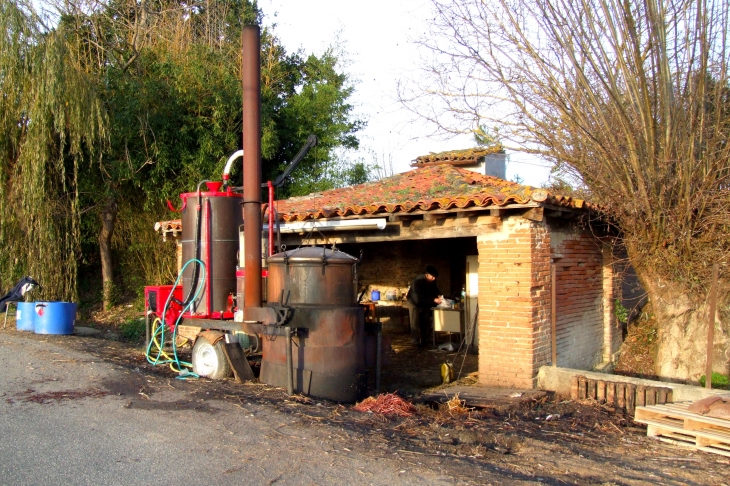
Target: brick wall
(584,297)
(514,303)
(515,292)
(393,265)
(612,283)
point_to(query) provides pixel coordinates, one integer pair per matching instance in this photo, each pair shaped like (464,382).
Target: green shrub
(718,381)
(622,313)
(133,330)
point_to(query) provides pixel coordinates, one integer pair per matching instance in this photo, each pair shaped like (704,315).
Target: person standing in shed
(422,296)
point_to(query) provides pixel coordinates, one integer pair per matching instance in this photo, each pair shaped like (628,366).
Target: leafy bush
(718,381)
(133,330)
(622,313)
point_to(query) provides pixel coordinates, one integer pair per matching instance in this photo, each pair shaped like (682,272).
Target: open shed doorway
(389,267)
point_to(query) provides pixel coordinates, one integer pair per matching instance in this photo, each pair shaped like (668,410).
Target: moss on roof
(464,155)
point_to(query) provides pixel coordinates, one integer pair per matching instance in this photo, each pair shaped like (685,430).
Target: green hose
(162,357)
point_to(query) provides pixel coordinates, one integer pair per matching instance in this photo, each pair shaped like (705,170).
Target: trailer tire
(210,360)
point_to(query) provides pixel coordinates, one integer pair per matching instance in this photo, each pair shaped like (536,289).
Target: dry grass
(639,347)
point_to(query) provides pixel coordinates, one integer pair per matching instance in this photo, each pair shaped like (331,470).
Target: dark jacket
(25,284)
(422,292)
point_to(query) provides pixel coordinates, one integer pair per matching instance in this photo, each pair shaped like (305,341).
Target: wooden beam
(416,230)
(468,214)
(436,216)
(552,213)
(564,209)
(395,217)
(406,215)
(534,214)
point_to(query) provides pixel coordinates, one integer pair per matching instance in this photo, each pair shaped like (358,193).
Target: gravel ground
(81,410)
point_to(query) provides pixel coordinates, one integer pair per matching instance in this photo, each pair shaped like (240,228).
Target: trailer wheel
(210,360)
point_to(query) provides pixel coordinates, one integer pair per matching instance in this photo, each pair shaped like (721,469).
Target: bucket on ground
(55,317)
(25,316)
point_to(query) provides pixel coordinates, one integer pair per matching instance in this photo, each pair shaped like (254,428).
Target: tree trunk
(108,219)
(683,321)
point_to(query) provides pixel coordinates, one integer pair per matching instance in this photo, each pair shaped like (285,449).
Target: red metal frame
(208,266)
(163,293)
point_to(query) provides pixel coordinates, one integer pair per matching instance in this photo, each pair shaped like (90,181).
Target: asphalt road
(68,418)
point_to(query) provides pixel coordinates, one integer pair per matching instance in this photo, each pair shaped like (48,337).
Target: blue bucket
(55,317)
(25,316)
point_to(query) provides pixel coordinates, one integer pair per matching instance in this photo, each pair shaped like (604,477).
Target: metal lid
(314,255)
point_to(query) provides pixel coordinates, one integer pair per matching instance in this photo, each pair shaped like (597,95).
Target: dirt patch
(59,396)
(110,319)
(412,370)
(146,404)
(131,385)
(550,440)
(639,347)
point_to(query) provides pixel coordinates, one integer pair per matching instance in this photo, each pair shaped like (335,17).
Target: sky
(377,37)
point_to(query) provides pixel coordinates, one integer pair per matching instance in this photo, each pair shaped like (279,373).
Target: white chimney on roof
(496,165)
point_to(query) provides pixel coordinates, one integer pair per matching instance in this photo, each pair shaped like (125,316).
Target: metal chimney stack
(251,69)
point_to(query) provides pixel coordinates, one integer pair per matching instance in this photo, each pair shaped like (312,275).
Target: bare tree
(633,99)
(381,165)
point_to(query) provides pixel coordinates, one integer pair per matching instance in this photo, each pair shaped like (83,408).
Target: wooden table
(373,310)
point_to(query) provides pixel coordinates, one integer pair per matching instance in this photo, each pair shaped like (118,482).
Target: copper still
(215,216)
(328,357)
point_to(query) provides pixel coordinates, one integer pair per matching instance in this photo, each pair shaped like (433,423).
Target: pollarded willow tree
(633,99)
(50,122)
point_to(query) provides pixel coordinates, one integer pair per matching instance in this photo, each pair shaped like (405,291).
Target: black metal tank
(329,358)
(219,216)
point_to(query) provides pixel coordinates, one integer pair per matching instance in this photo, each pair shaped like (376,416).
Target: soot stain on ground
(30,396)
(196,406)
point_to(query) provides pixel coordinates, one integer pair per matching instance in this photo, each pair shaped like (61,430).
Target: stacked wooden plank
(618,393)
(674,424)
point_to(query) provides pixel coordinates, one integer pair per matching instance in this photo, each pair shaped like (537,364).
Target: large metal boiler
(210,222)
(311,329)
(328,352)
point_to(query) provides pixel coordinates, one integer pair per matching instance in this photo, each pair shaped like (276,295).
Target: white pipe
(227,169)
(331,225)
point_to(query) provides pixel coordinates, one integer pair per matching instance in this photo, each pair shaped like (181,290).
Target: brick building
(529,247)
(519,236)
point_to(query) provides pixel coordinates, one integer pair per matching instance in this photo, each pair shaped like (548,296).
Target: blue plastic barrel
(55,317)
(25,316)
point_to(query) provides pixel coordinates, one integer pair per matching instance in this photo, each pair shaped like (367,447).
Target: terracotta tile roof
(428,188)
(457,157)
(169,228)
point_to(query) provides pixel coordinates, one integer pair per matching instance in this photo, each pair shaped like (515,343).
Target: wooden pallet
(619,394)
(674,424)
